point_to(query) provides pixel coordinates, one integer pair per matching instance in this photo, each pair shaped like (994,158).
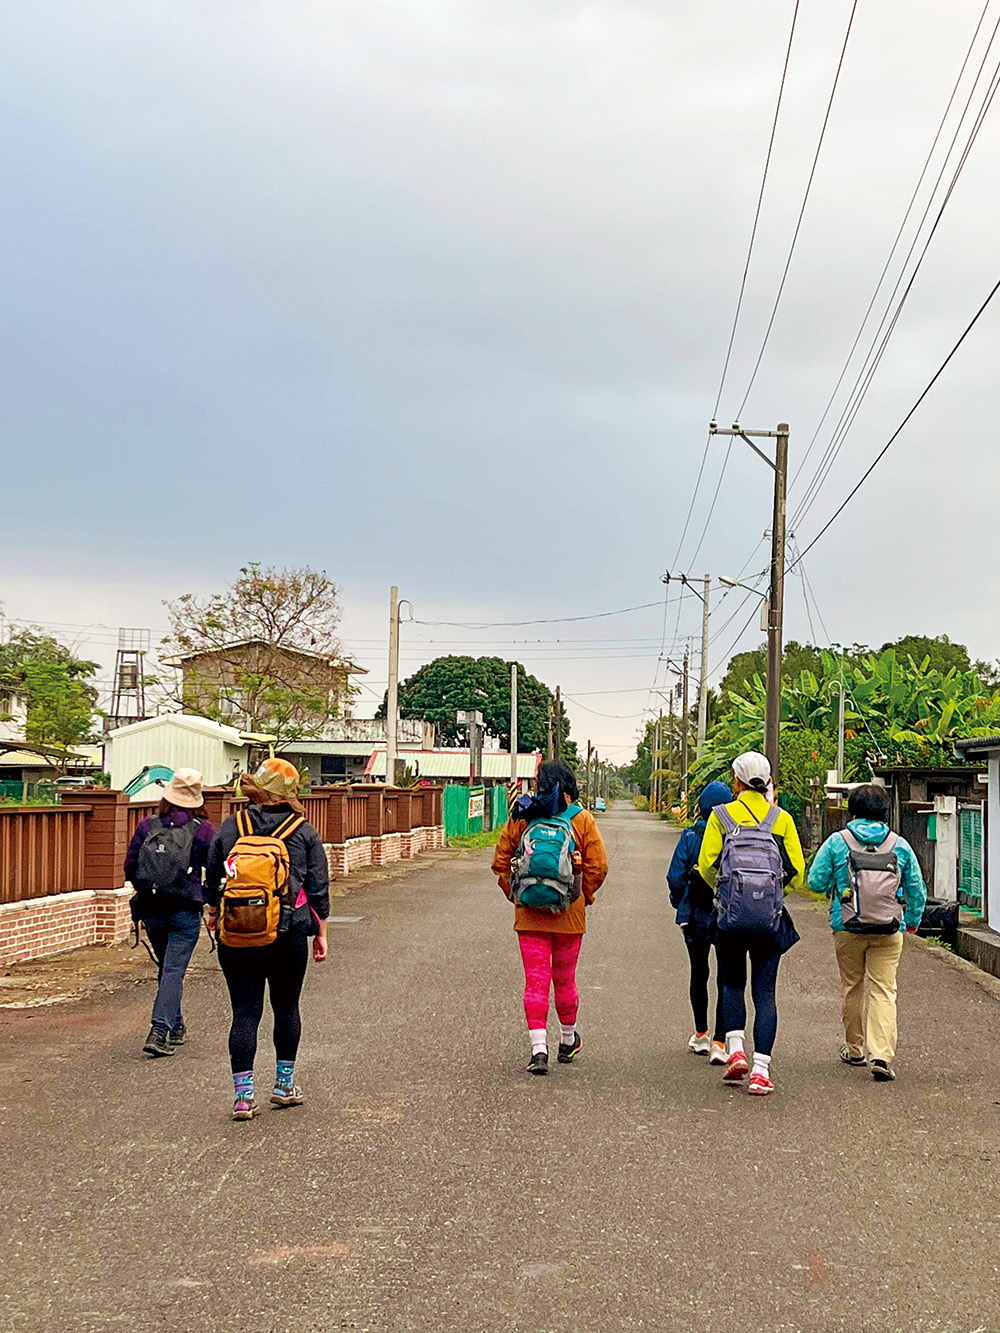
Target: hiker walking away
(267,887)
(165,864)
(692,898)
(877,893)
(751,854)
(550,861)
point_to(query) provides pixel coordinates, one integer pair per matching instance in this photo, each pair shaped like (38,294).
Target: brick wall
(38,927)
(385,850)
(343,857)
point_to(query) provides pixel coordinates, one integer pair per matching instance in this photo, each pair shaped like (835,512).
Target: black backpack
(165,860)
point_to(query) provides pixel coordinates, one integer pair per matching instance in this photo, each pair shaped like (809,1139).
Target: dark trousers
(281,968)
(733,948)
(172,939)
(699,948)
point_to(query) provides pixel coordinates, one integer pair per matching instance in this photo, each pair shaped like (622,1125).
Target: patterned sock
(243,1085)
(285,1073)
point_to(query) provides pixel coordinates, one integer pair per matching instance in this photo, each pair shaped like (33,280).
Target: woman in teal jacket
(868,959)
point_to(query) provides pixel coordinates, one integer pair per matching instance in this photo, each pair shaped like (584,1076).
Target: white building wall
(171,741)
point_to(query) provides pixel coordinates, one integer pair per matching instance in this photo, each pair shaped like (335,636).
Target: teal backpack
(541,870)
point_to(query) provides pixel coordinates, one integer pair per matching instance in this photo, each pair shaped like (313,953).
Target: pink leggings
(549,961)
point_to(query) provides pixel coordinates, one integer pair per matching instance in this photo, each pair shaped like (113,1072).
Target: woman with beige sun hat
(165,864)
(273,953)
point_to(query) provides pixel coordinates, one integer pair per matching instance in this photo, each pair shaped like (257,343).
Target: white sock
(761,1064)
(539,1041)
(567,1036)
(734,1041)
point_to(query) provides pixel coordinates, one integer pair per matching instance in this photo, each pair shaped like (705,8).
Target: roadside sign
(477,797)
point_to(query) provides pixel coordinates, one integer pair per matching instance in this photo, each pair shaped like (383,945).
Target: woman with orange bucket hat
(256,950)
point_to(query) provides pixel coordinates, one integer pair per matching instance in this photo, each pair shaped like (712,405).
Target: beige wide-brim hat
(184,789)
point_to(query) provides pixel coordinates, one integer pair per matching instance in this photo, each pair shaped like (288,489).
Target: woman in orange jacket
(550,942)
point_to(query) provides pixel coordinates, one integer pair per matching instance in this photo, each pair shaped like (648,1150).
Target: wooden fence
(81,844)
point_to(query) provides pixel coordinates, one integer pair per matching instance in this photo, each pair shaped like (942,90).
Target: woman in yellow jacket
(752,782)
(550,943)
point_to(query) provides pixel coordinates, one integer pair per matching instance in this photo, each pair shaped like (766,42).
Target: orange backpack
(257,874)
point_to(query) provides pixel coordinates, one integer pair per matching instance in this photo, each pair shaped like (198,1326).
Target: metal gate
(970,857)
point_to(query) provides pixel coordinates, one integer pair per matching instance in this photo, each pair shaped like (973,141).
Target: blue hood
(716,793)
(871,832)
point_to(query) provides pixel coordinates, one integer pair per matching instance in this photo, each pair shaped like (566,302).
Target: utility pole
(548,731)
(392,697)
(703,687)
(775,609)
(559,725)
(590,793)
(670,738)
(513,724)
(684,727)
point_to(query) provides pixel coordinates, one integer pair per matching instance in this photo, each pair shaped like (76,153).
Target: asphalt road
(431,1184)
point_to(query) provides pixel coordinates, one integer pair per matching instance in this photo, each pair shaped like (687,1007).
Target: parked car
(600,805)
(72,780)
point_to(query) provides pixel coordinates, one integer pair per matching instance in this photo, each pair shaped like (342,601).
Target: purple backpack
(750,892)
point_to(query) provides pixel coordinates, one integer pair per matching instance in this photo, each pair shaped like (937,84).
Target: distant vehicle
(73,780)
(600,805)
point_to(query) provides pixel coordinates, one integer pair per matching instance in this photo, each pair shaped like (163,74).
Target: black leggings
(733,947)
(699,949)
(282,966)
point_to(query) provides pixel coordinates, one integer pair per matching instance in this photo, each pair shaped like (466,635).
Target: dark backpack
(751,885)
(164,862)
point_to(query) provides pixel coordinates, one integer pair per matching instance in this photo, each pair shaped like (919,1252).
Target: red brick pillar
(376,814)
(336,819)
(404,811)
(105,838)
(216,804)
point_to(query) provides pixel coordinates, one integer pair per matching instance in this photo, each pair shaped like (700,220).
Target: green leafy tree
(941,654)
(439,689)
(61,703)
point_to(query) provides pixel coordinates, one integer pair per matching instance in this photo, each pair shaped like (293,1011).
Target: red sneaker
(736,1068)
(760,1085)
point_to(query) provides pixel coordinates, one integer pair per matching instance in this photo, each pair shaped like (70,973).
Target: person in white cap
(165,864)
(763,947)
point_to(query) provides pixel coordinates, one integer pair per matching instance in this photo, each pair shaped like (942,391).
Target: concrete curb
(990,984)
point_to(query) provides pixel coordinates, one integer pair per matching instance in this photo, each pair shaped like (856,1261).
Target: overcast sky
(438,293)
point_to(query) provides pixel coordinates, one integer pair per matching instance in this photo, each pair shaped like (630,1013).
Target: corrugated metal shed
(175,740)
(455,763)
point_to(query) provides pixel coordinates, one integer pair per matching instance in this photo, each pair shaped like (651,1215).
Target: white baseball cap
(753,770)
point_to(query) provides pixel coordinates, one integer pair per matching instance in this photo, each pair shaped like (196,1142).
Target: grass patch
(941,944)
(485,839)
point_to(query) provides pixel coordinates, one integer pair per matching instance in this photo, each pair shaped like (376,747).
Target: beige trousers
(869,963)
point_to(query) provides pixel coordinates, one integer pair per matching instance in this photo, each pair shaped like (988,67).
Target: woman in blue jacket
(695,906)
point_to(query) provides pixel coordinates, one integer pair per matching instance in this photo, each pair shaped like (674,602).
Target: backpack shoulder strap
(572,811)
(728,823)
(284,831)
(155,825)
(770,819)
(889,844)
(244,828)
(852,842)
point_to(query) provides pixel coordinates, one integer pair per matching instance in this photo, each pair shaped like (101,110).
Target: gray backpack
(874,903)
(750,891)
(165,859)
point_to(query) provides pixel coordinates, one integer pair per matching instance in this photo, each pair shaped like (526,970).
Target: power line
(802,210)
(545,620)
(899,234)
(743,284)
(877,349)
(895,435)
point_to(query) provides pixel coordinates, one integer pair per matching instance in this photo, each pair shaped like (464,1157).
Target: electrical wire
(896,433)
(742,291)
(544,620)
(896,241)
(802,210)
(874,357)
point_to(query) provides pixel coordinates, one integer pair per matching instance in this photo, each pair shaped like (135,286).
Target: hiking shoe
(158,1042)
(539,1063)
(287,1094)
(244,1108)
(760,1085)
(717,1055)
(567,1052)
(178,1035)
(736,1068)
(701,1044)
(882,1071)
(849,1059)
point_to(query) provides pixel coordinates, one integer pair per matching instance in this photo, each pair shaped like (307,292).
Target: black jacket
(307,860)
